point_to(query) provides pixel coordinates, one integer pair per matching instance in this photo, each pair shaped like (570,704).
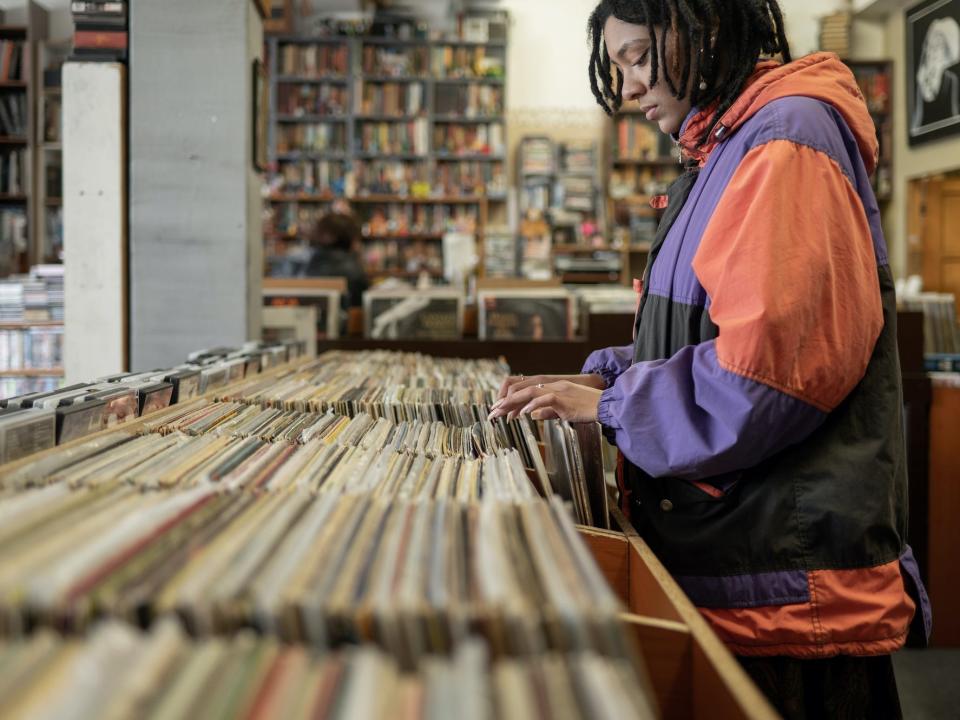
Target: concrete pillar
(195,235)
(94,213)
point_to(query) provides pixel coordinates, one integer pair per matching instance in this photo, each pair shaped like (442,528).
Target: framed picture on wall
(933,70)
(261,117)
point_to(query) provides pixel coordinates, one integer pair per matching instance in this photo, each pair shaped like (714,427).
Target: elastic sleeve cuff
(606,410)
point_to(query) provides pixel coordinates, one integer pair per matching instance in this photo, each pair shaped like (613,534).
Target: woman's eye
(642,60)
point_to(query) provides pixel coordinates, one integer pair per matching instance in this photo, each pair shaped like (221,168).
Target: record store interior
(479,359)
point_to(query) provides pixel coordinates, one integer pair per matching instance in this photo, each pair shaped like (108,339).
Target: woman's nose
(633,88)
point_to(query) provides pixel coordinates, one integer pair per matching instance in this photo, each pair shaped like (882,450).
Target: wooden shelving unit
(294,86)
(875,78)
(31,32)
(642,163)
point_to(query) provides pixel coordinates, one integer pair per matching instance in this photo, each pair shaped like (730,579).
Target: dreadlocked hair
(742,30)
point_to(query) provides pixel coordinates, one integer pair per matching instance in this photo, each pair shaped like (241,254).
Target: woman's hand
(562,399)
(519,382)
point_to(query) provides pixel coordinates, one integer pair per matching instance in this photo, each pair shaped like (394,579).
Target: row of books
(39,348)
(577,193)
(313,61)
(449,61)
(469,139)
(578,157)
(537,156)
(639,139)
(313,176)
(414,256)
(468,101)
(835,31)
(646,180)
(396,99)
(395,61)
(119,672)
(407,219)
(34,422)
(446,177)
(394,138)
(13,114)
(312,137)
(392,177)
(37,296)
(13,170)
(312,99)
(14,63)
(470,177)
(941,334)
(100,29)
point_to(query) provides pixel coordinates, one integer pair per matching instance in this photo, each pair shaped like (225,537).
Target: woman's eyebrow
(629,43)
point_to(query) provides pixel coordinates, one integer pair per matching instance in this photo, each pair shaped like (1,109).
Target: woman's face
(629,48)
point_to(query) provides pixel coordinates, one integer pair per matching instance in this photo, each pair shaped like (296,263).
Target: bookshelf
(875,79)
(642,164)
(49,158)
(560,198)
(410,131)
(30,347)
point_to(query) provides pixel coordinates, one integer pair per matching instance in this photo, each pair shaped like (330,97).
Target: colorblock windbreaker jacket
(759,410)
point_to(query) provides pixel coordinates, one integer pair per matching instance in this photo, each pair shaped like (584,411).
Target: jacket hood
(821,76)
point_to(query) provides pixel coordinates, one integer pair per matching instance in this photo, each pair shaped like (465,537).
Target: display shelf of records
(643,162)
(339,536)
(875,80)
(941,333)
(378,118)
(44,418)
(31,331)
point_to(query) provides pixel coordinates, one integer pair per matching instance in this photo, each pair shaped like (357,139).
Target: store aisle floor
(929,683)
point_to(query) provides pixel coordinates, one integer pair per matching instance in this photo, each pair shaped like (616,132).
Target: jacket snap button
(666,505)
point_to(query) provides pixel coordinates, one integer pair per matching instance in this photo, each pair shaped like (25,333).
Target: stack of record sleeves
(340,537)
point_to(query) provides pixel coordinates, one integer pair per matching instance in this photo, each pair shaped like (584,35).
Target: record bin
(692,673)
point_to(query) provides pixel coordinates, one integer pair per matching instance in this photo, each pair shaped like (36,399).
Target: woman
(759,408)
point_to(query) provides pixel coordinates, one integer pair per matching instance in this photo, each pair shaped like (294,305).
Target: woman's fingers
(547,401)
(516,399)
(507,384)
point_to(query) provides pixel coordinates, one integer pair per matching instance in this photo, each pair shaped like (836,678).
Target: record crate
(692,673)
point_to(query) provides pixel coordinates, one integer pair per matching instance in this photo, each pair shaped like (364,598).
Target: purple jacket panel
(688,417)
(609,363)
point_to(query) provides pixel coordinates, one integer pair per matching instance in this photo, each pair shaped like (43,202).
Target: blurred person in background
(334,252)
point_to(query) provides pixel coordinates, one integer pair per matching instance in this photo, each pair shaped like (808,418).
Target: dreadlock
(744,30)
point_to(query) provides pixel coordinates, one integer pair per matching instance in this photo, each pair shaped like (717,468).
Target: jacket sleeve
(794,290)
(609,363)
